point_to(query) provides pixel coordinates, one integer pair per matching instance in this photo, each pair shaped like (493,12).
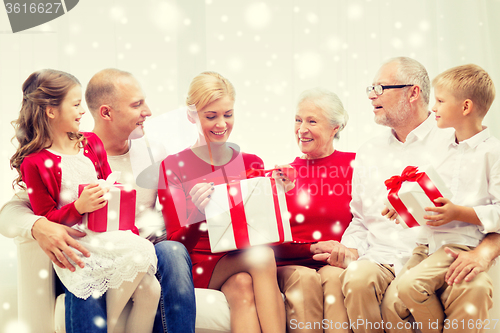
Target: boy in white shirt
(472,171)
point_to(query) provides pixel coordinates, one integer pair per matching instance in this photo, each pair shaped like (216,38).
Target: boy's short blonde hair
(468,82)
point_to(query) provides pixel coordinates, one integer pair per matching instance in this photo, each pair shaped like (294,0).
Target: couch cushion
(212,313)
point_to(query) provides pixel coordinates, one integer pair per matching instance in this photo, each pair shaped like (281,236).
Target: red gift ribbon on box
(127,213)
(410,174)
(237,211)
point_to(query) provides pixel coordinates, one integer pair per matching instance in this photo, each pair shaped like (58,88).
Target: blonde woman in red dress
(247,278)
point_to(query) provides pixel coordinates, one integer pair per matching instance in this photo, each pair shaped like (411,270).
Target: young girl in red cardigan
(53,158)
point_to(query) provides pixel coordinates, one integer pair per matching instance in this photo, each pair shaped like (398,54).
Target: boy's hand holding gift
(412,193)
(444,214)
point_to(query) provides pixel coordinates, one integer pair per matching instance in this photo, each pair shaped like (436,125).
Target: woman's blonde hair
(41,89)
(208,87)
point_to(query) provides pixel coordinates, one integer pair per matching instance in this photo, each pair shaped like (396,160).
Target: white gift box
(415,200)
(119,211)
(261,209)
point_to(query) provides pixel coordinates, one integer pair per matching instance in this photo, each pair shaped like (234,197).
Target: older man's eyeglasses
(379,89)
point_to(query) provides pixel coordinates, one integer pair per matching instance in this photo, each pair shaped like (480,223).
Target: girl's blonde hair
(41,89)
(208,87)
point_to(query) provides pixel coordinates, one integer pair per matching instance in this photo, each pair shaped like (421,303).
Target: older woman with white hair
(319,207)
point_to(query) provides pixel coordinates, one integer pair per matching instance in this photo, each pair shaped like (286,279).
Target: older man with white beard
(400,97)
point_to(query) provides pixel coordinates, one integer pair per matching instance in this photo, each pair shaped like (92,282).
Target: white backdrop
(270,50)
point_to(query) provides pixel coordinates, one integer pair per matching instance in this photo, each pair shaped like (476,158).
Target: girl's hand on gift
(390,214)
(91,199)
(201,194)
(445,214)
(282,178)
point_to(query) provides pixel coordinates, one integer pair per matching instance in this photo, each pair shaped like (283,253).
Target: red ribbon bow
(410,174)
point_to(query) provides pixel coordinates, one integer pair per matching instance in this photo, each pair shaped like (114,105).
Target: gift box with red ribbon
(412,191)
(247,213)
(119,212)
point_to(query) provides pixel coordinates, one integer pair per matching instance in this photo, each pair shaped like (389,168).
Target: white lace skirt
(115,257)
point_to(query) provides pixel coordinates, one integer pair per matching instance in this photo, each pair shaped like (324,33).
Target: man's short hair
(468,82)
(101,88)
(411,71)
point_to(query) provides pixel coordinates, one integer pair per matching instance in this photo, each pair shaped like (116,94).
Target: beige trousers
(314,301)
(435,306)
(364,284)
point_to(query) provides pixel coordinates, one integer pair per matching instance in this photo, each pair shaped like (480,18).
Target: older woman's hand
(339,256)
(342,256)
(282,178)
(201,194)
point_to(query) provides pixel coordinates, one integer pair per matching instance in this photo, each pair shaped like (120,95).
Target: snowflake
(235,64)
(330,299)
(397,43)
(337,228)
(299,218)
(48,163)
(233,191)
(194,48)
(117,13)
(309,64)
(316,235)
(210,299)
(470,308)
(109,246)
(94,242)
(258,15)
(424,26)
(43,274)
(99,321)
(355,12)
(312,18)
(199,270)
(353,266)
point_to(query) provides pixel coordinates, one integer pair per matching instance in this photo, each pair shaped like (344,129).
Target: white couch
(39,310)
